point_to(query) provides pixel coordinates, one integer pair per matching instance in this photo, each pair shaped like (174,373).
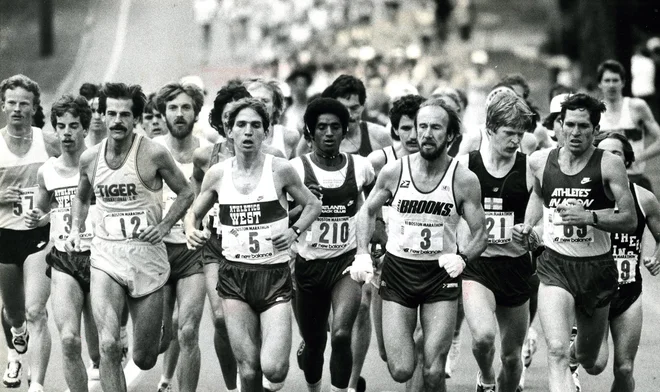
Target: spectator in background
(153,122)
(97,128)
(642,77)
(89,90)
(299,81)
(205,12)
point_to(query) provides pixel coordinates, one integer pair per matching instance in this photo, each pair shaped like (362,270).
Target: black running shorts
(509,278)
(624,297)
(183,262)
(591,280)
(318,277)
(260,286)
(17,245)
(411,283)
(74,264)
(212,250)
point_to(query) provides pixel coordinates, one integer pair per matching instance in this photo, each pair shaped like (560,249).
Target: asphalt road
(117,47)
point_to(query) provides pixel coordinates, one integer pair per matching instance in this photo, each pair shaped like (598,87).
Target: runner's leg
(190,299)
(346,296)
(438,323)
(479,305)
(513,323)
(626,333)
(147,315)
(276,341)
(245,338)
(398,329)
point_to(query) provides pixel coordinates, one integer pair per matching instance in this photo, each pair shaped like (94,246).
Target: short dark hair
(23,81)
(628,152)
(76,106)
(325,106)
(510,111)
(612,66)
(39,118)
(169,91)
(300,73)
(345,86)
(89,90)
(248,103)
(408,105)
(516,80)
(454,123)
(229,93)
(586,102)
(557,89)
(123,91)
(151,104)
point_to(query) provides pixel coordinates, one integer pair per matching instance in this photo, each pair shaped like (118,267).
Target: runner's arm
(178,183)
(200,161)
(616,179)
(80,205)
(33,218)
(311,205)
(652,129)
(651,207)
(203,203)
(468,194)
(379,195)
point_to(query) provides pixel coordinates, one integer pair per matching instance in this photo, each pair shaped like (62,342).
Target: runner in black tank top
(626,308)
(496,286)
(575,189)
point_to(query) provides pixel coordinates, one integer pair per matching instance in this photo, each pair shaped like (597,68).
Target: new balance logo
(585,180)
(405,184)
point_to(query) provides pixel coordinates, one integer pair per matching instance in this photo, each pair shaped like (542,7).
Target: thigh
(211,281)
(190,297)
(398,329)
(243,329)
(513,323)
(556,309)
(314,309)
(479,307)
(37,284)
(438,321)
(276,334)
(346,297)
(147,315)
(67,300)
(108,299)
(591,330)
(12,290)
(626,332)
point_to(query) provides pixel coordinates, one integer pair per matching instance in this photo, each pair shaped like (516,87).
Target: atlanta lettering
(424,207)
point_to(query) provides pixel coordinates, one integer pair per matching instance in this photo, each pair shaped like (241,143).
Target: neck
(435,166)
(327,160)
(72,159)
(498,160)
(614,99)
(353,129)
(184,144)
(120,146)
(577,157)
(248,160)
(20,131)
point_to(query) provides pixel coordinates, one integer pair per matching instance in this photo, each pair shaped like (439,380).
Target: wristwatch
(595,217)
(463,256)
(296,230)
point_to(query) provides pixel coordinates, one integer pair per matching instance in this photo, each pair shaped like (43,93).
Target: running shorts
(75,264)
(624,297)
(318,277)
(17,245)
(411,283)
(140,267)
(592,281)
(507,277)
(183,262)
(212,250)
(261,286)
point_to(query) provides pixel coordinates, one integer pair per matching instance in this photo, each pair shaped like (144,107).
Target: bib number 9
(627,267)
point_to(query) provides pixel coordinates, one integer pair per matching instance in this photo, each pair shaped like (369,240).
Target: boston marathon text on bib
(422,225)
(585,188)
(249,221)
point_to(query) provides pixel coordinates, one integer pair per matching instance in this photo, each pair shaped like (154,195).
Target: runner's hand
(526,236)
(32,218)
(453,264)
(316,190)
(362,269)
(283,241)
(72,243)
(11,194)
(652,264)
(573,213)
(153,234)
(197,238)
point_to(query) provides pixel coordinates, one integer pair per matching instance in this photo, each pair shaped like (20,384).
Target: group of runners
(136,213)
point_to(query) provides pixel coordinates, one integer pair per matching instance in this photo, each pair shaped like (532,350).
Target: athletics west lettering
(564,195)
(251,214)
(424,207)
(247,214)
(64,196)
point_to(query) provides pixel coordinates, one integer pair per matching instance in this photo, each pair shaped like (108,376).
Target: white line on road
(120,39)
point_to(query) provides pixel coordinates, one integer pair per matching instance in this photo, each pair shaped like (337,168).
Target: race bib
(567,233)
(627,266)
(248,242)
(329,233)
(125,225)
(60,224)
(27,201)
(500,226)
(422,237)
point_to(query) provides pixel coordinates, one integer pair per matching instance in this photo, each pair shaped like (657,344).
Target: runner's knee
(340,337)
(275,371)
(188,336)
(557,350)
(623,370)
(483,341)
(111,348)
(36,313)
(71,344)
(143,359)
(511,360)
(401,372)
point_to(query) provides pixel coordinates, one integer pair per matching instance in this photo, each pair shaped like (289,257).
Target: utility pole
(46,33)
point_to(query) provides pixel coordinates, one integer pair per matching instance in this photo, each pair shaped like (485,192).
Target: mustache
(118,128)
